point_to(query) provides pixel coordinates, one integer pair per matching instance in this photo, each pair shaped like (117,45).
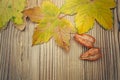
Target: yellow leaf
(84,23)
(105,18)
(47,9)
(50,25)
(106,3)
(88,11)
(70,7)
(42,32)
(62,33)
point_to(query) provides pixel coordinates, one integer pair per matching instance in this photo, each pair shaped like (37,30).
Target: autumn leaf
(49,25)
(34,14)
(11,10)
(87,11)
(47,9)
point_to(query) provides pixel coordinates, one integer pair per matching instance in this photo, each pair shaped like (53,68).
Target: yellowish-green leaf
(42,33)
(61,34)
(88,11)
(105,18)
(81,24)
(50,25)
(10,9)
(49,9)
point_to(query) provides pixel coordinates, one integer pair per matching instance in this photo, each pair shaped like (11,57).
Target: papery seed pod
(85,40)
(92,54)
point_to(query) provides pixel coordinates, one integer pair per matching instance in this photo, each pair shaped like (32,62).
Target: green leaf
(10,9)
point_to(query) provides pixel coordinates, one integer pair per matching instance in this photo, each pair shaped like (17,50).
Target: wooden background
(20,61)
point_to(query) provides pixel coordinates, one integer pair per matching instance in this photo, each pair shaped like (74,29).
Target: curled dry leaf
(85,40)
(35,14)
(92,54)
(22,26)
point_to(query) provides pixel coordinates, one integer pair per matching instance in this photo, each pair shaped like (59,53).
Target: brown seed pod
(92,54)
(85,40)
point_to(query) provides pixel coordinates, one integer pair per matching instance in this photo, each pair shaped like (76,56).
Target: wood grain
(20,61)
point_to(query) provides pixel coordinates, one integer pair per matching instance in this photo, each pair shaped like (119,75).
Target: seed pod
(92,54)
(85,40)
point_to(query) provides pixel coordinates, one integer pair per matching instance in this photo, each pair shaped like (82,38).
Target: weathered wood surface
(20,61)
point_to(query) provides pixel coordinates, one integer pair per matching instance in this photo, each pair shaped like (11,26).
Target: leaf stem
(62,16)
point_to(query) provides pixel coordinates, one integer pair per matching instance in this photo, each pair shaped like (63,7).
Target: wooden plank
(20,61)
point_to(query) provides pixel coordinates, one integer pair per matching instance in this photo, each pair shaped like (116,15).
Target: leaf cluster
(49,22)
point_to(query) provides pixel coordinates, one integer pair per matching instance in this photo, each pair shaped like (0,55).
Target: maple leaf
(87,11)
(49,25)
(11,10)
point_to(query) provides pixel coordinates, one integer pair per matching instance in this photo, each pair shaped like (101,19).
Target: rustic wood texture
(20,61)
